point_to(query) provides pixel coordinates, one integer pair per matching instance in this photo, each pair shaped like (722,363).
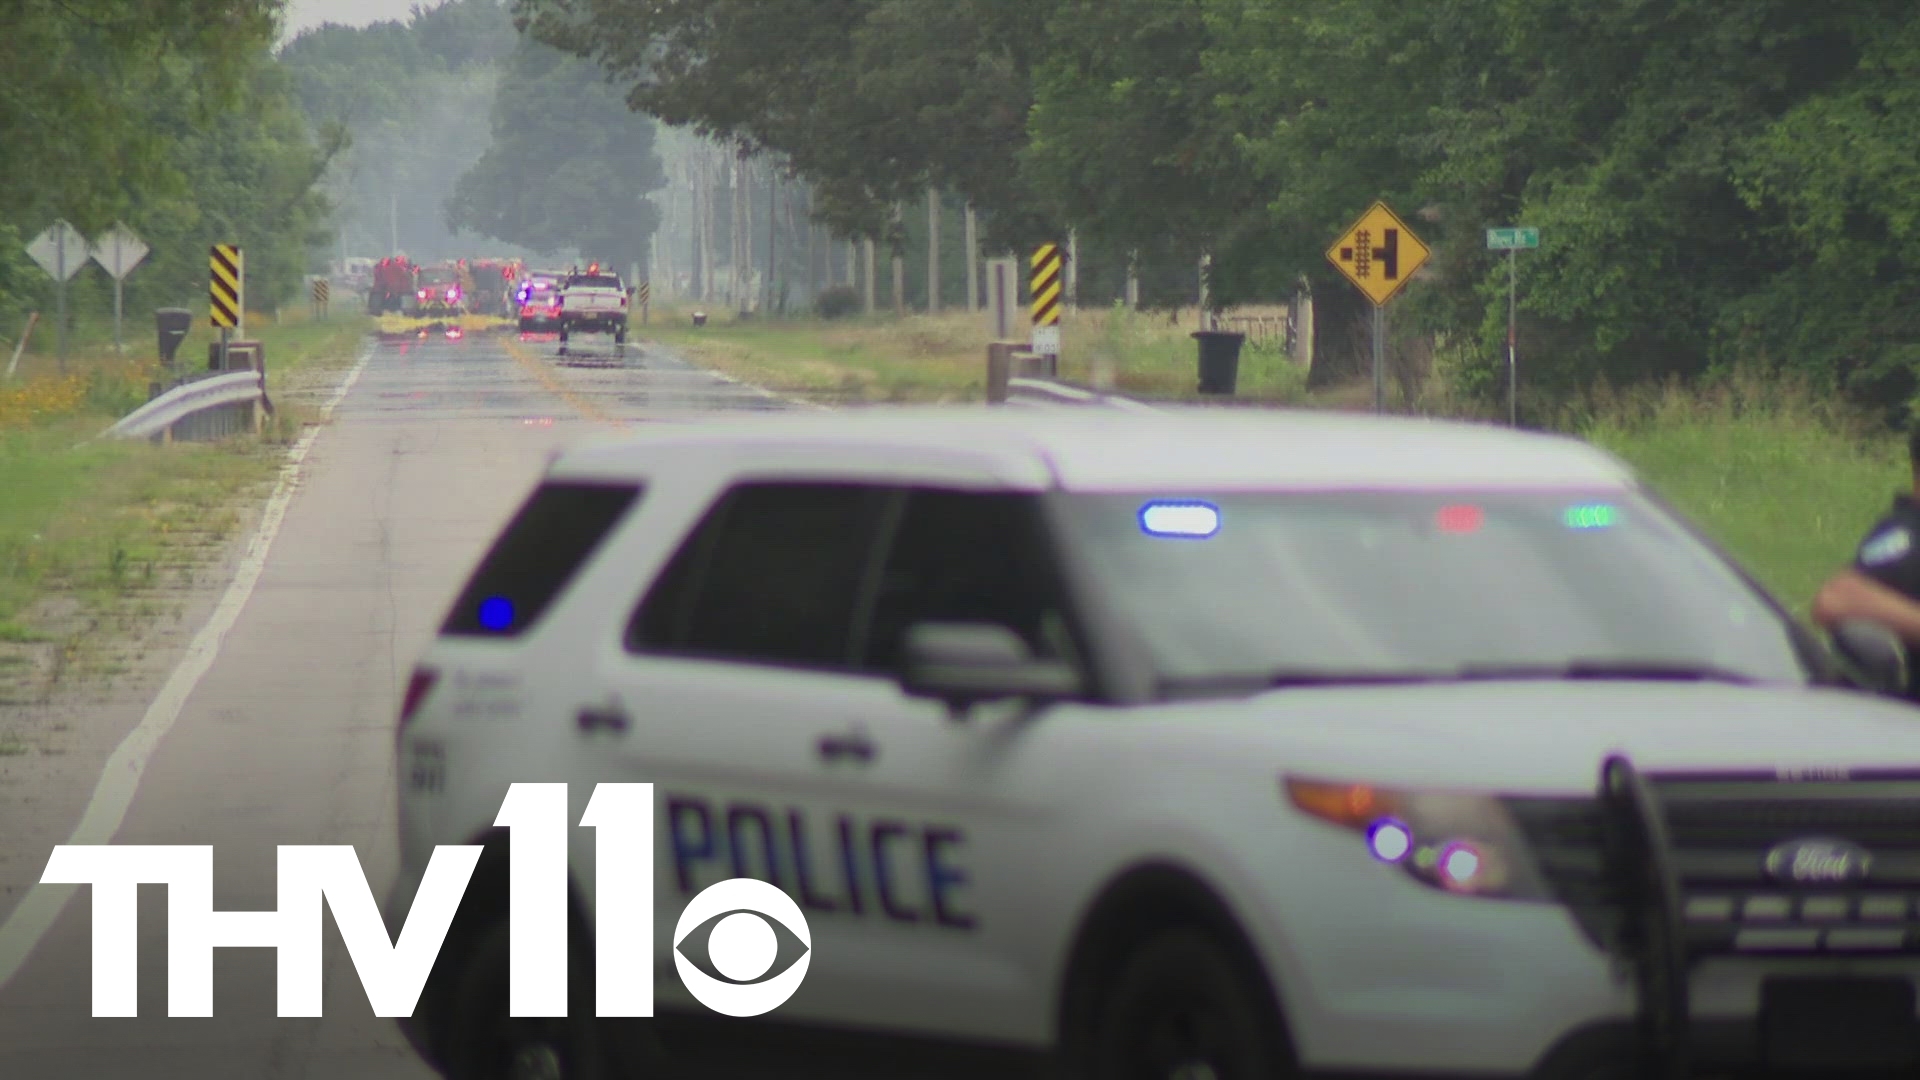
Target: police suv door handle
(858,747)
(612,716)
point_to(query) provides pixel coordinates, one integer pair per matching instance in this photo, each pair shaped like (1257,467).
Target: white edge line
(119,780)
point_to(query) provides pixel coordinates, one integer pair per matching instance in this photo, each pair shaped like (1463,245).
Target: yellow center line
(553,384)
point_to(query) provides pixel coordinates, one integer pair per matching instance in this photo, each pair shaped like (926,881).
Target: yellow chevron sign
(1046,285)
(227,290)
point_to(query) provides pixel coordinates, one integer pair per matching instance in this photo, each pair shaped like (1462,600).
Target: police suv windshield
(1422,583)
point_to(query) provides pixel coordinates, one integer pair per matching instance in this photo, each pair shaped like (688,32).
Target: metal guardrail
(190,402)
(1044,393)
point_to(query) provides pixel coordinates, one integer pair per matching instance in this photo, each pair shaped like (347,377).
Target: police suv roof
(1093,449)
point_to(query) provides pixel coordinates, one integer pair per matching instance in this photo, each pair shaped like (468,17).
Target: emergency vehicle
(1113,745)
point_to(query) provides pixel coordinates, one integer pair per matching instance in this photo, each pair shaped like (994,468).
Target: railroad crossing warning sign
(1378,253)
(1046,299)
(226,292)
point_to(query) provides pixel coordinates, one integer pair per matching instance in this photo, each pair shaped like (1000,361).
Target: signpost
(1379,254)
(1046,300)
(646,300)
(1512,241)
(322,294)
(118,252)
(61,251)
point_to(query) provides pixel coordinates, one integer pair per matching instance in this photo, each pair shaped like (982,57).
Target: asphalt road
(287,738)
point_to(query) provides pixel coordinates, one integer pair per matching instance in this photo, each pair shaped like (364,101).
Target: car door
(736,663)
(972,810)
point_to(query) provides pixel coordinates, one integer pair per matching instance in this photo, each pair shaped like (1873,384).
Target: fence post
(999,370)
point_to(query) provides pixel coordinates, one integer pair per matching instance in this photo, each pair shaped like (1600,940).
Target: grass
(942,358)
(1785,481)
(95,535)
(1780,478)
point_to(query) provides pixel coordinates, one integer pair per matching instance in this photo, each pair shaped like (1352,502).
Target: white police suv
(1176,746)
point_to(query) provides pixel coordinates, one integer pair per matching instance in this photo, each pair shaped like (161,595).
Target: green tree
(570,166)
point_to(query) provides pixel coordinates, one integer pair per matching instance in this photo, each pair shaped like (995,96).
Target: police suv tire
(484,1043)
(526,325)
(1182,1006)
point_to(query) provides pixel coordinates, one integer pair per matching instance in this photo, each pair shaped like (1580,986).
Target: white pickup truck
(593,303)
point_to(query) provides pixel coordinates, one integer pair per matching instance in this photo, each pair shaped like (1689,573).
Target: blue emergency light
(496,613)
(1186,520)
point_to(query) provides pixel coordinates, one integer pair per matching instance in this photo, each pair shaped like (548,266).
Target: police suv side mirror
(964,664)
(1876,654)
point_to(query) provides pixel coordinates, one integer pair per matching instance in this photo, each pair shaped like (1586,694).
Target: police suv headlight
(1462,843)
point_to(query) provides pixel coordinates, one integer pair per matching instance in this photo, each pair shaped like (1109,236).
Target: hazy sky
(306,14)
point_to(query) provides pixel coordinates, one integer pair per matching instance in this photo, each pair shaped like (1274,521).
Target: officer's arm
(1851,594)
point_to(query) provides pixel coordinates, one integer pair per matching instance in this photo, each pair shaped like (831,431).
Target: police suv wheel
(485,1043)
(1182,1009)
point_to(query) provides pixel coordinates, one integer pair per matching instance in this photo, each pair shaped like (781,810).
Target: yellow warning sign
(1379,253)
(225,292)
(1046,286)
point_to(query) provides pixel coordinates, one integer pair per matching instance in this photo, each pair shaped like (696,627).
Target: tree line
(468,139)
(1716,182)
(171,116)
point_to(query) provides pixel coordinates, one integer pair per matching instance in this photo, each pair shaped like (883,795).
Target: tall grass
(1784,477)
(101,521)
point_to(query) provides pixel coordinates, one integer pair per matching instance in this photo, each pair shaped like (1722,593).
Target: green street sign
(1512,239)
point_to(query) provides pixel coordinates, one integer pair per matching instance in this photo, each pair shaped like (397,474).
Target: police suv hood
(1550,737)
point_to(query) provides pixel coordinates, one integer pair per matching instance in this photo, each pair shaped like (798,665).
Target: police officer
(1883,584)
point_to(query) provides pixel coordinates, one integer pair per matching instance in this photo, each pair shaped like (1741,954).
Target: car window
(967,557)
(1407,582)
(772,575)
(549,539)
(593,281)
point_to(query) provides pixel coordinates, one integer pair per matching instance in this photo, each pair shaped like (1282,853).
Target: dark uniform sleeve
(1890,555)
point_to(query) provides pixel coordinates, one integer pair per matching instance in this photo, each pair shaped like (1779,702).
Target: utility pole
(393,219)
(899,263)
(1206,314)
(742,237)
(1133,281)
(867,278)
(1073,270)
(772,233)
(933,251)
(710,176)
(813,251)
(973,261)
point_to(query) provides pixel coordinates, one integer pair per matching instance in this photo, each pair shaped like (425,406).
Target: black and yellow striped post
(225,292)
(1046,279)
(322,293)
(646,297)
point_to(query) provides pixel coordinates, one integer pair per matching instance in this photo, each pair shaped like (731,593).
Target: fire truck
(438,290)
(489,285)
(395,280)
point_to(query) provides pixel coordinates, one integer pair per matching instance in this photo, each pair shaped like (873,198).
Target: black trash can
(173,323)
(699,318)
(1219,360)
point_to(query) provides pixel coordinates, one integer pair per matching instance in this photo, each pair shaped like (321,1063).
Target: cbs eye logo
(742,947)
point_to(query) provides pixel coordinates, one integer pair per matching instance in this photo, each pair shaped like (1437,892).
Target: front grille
(1720,832)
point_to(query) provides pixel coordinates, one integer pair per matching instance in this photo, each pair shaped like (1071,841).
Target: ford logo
(1816,861)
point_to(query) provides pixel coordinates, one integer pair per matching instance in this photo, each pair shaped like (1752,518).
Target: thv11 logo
(741,919)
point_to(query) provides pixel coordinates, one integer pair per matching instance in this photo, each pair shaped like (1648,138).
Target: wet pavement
(287,737)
